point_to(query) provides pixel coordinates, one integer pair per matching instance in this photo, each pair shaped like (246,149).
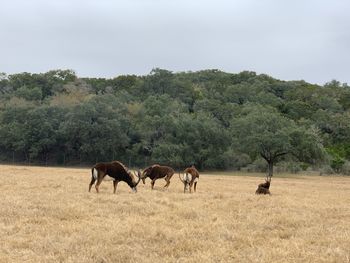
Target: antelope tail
(181,178)
(94,173)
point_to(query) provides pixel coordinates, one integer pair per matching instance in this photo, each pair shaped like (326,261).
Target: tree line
(210,118)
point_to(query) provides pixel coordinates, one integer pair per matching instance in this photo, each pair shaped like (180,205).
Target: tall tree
(261,131)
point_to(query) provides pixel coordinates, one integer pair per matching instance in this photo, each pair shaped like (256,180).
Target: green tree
(177,118)
(29,93)
(96,130)
(41,128)
(261,131)
(13,139)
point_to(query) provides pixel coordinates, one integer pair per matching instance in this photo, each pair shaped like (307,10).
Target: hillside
(173,118)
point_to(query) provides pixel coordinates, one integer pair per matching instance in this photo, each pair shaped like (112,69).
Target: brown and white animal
(190,177)
(157,171)
(264,188)
(117,171)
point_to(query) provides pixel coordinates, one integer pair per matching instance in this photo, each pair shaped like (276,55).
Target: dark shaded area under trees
(213,119)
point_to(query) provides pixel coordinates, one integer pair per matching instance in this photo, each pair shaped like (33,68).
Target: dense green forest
(213,119)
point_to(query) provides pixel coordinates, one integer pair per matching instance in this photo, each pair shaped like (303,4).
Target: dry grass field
(47,215)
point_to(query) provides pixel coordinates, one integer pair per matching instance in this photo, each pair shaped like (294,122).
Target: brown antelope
(190,177)
(157,171)
(264,188)
(117,171)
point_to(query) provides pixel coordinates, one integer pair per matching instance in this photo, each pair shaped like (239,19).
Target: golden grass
(47,215)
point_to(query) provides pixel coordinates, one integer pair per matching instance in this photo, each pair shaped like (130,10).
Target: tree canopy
(264,132)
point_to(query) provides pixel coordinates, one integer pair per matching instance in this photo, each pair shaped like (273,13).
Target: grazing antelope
(157,171)
(190,177)
(117,171)
(264,188)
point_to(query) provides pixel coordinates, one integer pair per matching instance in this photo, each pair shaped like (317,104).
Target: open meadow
(47,215)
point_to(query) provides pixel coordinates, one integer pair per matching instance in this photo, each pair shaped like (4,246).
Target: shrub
(294,167)
(290,167)
(337,163)
(346,168)
(235,160)
(326,170)
(259,165)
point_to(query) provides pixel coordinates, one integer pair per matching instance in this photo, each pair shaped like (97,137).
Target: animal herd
(118,172)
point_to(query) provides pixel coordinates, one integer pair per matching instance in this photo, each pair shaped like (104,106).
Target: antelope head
(138,175)
(145,174)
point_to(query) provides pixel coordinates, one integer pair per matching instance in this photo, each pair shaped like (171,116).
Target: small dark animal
(264,188)
(117,171)
(190,178)
(157,171)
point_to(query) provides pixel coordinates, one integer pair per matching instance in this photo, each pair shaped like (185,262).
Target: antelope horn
(181,178)
(139,176)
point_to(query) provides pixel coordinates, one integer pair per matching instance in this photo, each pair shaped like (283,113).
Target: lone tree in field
(264,132)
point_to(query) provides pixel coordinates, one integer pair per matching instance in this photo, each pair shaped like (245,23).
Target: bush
(337,163)
(288,167)
(235,160)
(346,168)
(304,166)
(336,158)
(326,170)
(259,165)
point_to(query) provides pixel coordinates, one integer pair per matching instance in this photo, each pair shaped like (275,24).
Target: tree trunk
(46,157)
(270,168)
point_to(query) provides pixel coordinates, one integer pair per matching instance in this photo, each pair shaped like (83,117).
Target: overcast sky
(287,39)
